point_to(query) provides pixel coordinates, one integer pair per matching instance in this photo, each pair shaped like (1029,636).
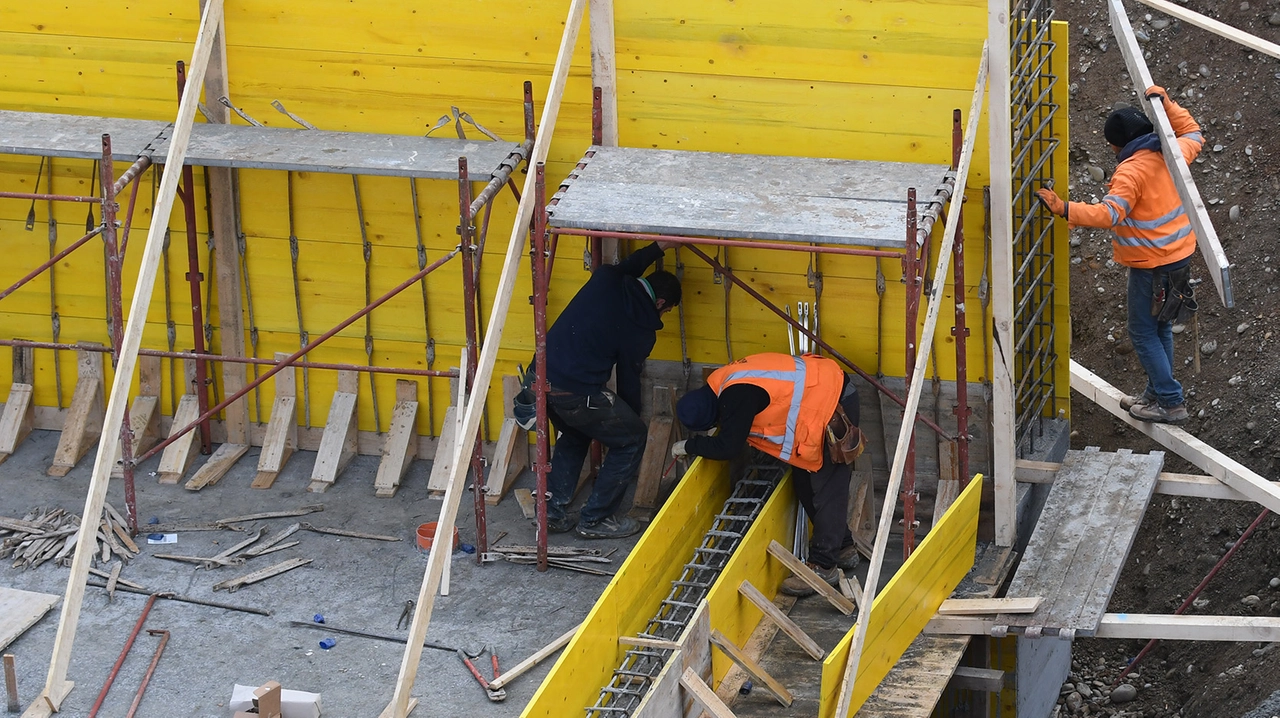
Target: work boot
(796,586)
(849,558)
(610,527)
(564,524)
(1157,414)
(1129,402)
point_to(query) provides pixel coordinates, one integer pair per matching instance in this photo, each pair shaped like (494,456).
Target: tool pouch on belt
(845,441)
(1177,303)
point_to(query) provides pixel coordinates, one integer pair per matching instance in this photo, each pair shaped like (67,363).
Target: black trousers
(824,494)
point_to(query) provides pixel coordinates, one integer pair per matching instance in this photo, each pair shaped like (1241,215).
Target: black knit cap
(1126,124)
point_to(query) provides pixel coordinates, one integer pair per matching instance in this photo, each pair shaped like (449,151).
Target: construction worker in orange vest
(1154,239)
(802,410)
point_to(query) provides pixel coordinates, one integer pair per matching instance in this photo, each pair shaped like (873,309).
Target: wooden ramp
(1081,541)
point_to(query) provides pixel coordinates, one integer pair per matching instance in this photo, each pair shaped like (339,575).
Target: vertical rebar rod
(469,301)
(193,281)
(910,272)
(542,464)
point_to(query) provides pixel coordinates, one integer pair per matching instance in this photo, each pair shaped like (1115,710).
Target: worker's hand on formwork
(1052,201)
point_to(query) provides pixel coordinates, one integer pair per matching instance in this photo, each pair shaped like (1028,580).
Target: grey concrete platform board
(1082,539)
(272,148)
(764,197)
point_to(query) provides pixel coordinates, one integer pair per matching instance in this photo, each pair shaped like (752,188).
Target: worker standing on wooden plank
(802,410)
(611,323)
(1154,239)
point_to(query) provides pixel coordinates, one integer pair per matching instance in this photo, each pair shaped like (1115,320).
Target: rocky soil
(1233,92)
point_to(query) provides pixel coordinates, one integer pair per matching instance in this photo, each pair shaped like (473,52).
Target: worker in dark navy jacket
(611,323)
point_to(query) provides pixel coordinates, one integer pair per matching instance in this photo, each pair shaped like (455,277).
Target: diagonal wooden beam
(1206,235)
(1253,42)
(398,708)
(917,387)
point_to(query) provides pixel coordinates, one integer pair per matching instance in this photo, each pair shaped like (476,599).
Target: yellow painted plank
(908,601)
(634,593)
(1062,270)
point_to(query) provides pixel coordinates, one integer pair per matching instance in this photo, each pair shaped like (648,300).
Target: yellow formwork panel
(642,581)
(1061,68)
(908,601)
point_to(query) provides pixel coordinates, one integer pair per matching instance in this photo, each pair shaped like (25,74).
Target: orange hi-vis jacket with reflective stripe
(1142,206)
(803,392)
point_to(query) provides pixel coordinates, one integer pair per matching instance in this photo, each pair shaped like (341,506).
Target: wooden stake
(401,445)
(11,682)
(84,418)
(913,396)
(398,708)
(281,439)
(338,444)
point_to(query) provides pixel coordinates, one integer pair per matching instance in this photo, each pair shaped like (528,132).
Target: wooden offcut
(219,463)
(980,606)
(785,624)
(806,574)
(757,672)
(84,419)
(19,610)
(511,454)
(18,417)
(338,443)
(401,444)
(281,439)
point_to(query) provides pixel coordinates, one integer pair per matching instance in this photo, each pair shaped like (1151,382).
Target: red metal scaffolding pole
(960,331)
(469,301)
(193,281)
(52,261)
(911,277)
(542,464)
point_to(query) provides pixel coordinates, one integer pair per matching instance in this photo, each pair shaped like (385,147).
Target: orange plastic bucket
(427,536)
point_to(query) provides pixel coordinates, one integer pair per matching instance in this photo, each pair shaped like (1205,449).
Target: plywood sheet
(19,610)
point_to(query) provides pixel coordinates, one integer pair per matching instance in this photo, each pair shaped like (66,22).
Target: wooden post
(56,684)
(916,388)
(655,456)
(178,456)
(338,443)
(281,439)
(144,414)
(511,454)
(401,445)
(1003,402)
(19,410)
(84,418)
(398,708)
(604,66)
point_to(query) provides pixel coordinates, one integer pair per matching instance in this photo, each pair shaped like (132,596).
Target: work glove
(1157,91)
(677,449)
(1052,201)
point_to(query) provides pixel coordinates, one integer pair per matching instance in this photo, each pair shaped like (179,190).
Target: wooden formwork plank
(400,447)
(19,610)
(84,418)
(281,439)
(338,443)
(177,457)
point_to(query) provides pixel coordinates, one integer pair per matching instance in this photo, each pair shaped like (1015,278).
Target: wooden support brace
(862,505)
(442,465)
(806,574)
(219,463)
(84,418)
(789,627)
(144,414)
(511,455)
(757,672)
(401,445)
(655,452)
(178,456)
(703,697)
(980,606)
(18,417)
(643,642)
(948,479)
(851,588)
(338,444)
(538,656)
(281,439)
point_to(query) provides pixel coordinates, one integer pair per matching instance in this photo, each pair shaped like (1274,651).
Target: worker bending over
(611,323)
(802,410)
(1153,238)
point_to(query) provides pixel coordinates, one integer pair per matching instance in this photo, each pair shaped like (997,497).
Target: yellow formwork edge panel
(642,581)
(732,614)
(1061,68)
(900,612)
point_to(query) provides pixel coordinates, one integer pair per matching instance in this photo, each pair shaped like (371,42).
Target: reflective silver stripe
(1193,136)
(796,378)
(1157,223)
(1120,201)
(1157,243)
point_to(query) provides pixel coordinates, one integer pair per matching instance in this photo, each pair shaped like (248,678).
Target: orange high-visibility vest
(803,392)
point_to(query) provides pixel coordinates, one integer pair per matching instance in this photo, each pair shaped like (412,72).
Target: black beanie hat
(1126,124)
(699,409)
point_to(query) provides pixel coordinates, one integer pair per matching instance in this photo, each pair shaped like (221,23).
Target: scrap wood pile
(582,560)
(46,534)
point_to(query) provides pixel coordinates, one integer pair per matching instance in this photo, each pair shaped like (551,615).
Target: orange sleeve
(1126,188)
(1186,128)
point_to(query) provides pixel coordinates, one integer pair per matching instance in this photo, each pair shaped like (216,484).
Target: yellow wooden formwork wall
(867,80)
(1061,68)
(907,602)
(633,595)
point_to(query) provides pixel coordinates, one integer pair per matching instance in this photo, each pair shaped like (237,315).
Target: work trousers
(1152,339)
(824,494)
(580,418)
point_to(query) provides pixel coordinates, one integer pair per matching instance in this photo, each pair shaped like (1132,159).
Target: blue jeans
(579,419)
(1152,340)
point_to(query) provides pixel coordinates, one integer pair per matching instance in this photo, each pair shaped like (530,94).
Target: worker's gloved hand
(1157,91)
(1052,202)
(677,449)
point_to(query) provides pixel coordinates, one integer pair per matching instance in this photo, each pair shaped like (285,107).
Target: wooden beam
(806,574)
(282,429)
(83,425)
(652,463)
(511,453)
(981,606)
(18,418)
(538,656)
(1168,483)
(178,456)
(913,396)
(703,697)
(1000,153)
(604,67)
(400,447)
(1206,235)
(398,708)
(1217,464)
(1220,29)
(757,672)
(643,642)
(1264,629)
(784,622)
(56,684)
(338,445)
